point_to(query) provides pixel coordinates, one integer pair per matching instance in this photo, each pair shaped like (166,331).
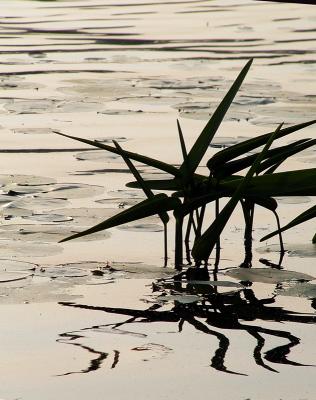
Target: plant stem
(218,243)
(178,258)
(280,233)
(165,235)
(187,239)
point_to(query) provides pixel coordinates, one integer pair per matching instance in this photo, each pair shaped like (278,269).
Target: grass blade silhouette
(152,162)
(203,141)
(242,148)
(157,204)
(163,215)
(204,245)
(303,217)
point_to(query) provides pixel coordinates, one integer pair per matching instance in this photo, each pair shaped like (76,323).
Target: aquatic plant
(192,192)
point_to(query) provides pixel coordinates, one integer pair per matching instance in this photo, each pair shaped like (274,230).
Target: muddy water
(82,319)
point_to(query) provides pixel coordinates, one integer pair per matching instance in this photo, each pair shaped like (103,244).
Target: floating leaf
(44,233)
(96,155)
(301,289)
(47,218)
(15,248)
(38,204)
(72,191)
(61,271)
(6,179)
(136,227)
(217,283)
(266,275)
(183,299)
(16,266)
(293,249)
(6,277)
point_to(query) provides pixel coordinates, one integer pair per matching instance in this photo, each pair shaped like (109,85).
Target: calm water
(127,70)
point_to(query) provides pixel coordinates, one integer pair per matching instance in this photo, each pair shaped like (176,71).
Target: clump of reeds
(191,192)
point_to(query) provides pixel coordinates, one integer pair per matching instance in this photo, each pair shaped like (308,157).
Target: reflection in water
(95,363)
(222,311)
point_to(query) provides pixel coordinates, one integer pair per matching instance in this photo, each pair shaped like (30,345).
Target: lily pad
(46,233)
(15,248)
(293,199)
(16,266)
(141,227)
(267,275)
(138,270)
(301,289)
(109,139)
(97,155)
(127,194)
(61,271)
(217,283)
(121,202)
(6,199)
(72,191)
(87,216)
(47,218)
(38,204)
(227,141)
(33,131)
(293,250)
(6,179)
(6,277)
(19,189)
(10,211)
(40,106)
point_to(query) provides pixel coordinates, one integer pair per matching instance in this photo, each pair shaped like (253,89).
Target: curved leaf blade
(239,149)
(290,183)
(204,245)
(163,216)
(157,204)
(200,146)
(152,162)
(303,217)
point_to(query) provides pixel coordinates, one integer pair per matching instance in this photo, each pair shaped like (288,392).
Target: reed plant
(191,192)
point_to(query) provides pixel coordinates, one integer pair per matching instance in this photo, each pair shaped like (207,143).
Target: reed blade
(303,217)
(157,204)
(199,148)
(204,245)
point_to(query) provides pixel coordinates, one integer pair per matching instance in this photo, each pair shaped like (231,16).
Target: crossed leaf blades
(198,190)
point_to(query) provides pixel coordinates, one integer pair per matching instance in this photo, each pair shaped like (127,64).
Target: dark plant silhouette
(211,313)
(192,192)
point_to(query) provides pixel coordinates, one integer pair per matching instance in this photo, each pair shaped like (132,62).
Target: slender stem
(165,234)
(178,259)
(280,234)
(218,243)
(248,211)
(200,221)
(187,239)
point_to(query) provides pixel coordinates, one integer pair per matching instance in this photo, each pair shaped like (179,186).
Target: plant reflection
(211,309)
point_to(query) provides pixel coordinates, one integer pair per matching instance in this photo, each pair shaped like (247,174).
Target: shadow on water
(199,304)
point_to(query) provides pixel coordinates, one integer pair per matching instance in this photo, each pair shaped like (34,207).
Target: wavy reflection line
(95,363)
